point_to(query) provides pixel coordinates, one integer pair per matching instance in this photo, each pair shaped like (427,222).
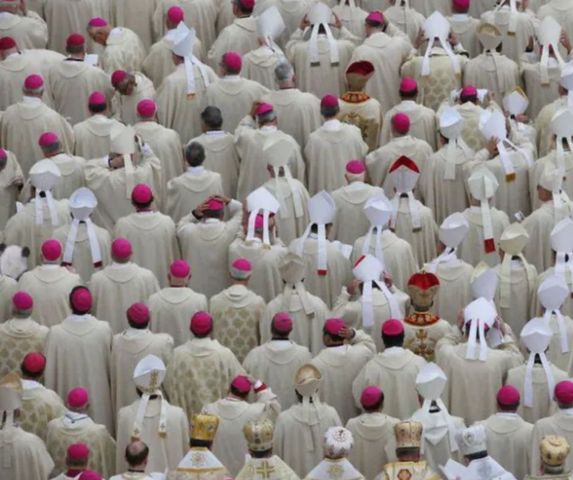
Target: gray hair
(284,71)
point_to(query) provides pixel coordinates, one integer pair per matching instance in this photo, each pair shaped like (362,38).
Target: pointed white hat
(368,269)
(404,174)
(516,102)
(82,203)
(553,292)
(451,123)
(562,123)
(489,36)
(536,335)
(378,210)
(514,239)
(122,139)
(551,179)
(183,40)
(270,23)
(261,201)
(482,184)
(453,230)
(479,314)
(149,373)
(484,281)
(562,236)
(431,381)
(492,124)
(472,440)
(321,208)
(45,174)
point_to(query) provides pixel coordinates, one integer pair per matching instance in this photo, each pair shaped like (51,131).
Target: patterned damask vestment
(409,471)
(423,330)
(19,337)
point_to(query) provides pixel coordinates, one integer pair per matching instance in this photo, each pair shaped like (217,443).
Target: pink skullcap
(215,204)
(22,301)
(247,4)
(51,249)
(461,5)
(138,314)
(334,326)
(97,22)
(78,397)
(75,40)
(179,269)
(508,395)
(78,451)
(264,108)
(121,248)
(376,16)
(141,194)
(175,14)
(329,101)
(392,327)
(3,153)
(118,76)
(34,362)
(89,475)
(408,85)
(146,108)
(564,392)
(355,167)
(259,221)
(33,82)
(201,323)
(241,268)
(282,322)
(401,122)
(242,383)
(97,98)
(81,299)
(6,43)
(371,396)
(48,138)
(233,61)
(468,91)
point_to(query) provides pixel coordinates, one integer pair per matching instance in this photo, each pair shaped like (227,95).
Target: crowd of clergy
(286,239)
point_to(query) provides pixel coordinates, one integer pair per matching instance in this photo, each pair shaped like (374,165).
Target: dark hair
(73,49)
(97,108)
(52,148)
(194,442)
(212,117)
(242,8)
(263,454)
(374,24)
(239,394)
(194,154)
(475,456)
(329,112)
(137,326)
(276,334)
(468,98)
(508,408)
(376,407)
(334,338)
(28,374)
(136,458)
(412,94)
(314,227)
(407,451)
(142,205)
(75,311)
(393,340)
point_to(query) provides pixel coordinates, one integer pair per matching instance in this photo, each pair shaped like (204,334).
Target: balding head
(136,454)
(284,75)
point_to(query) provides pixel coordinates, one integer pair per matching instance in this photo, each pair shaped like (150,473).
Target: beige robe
(325,77)
(234,96)
(123,51)
(50,287)
(394,371)
(70,83)
(127,349)
(260,468)
(78,353)
(205,245)
(465,27)
(436,87)
(171,311)
(200,372)
(307,328)
(18,337)
(82,261)
(63,433)
(540,94)
(109,186)
(164,453)
(8,287)
(190,189)
(25,455)
(374,442)
(423,122)
(22,230)
(230,445)
(116,288)
(387,54)
(398,258)
(265,278)
(259,65)
(250,144)
(423,240)
(422,331)
(493,72)
(221,156)
(289,226)
(166,145)
(543,125)
(339,366)
(328,150)
(364,112)
(178,110)
(298,113)
(560,424)
(471,133)
(275,363)
(137,16)
(159,64)
(408,20)
(350,221)
(152,237)
(72,171)
(241,36)
(466,377)
(40,406)
(296,423)
(338,273)
(543,403)
(29,31)
(536,171)
(8,191)
(471,250)
(237,313)
(125,106)
(22,124)
(379,162)
(92,136)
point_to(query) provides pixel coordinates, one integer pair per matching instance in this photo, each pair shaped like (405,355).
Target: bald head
(136,454)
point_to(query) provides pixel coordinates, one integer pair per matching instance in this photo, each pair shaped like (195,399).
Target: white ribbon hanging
(528,381)
(368,306)
(443,415)
(379,247)
(313,52)
(446,256)
(412,206)
(476,326)
(560,152)
(191,61)
(426,60)
(95,249)
(487,224)
(140,417)
(39,208)
(544,62)
(129,175)
(321,263)
(251,227)
(563,340)
(295,192)
(505,279)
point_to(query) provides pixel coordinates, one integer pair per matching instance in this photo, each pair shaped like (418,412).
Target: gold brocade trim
(421,319)
(355,97)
